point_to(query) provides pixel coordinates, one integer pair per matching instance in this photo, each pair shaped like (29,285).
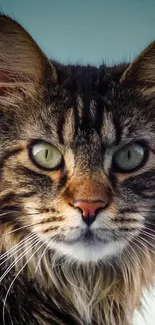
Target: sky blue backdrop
(87,31)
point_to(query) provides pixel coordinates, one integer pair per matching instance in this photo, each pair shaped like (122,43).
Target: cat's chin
(89,252)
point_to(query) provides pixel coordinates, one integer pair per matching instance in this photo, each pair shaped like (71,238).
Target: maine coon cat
(77,186)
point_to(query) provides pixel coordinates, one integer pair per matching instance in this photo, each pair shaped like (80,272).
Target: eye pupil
(46,153)
(129,154)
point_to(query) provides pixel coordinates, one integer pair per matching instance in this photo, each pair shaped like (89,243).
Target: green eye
(130,157)
(45,155)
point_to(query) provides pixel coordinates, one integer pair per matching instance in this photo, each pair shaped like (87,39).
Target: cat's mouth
(89,245)
(90,237)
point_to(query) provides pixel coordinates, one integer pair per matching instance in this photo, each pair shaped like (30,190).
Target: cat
(77,175)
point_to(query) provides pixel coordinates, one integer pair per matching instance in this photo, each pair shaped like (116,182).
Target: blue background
(87,31)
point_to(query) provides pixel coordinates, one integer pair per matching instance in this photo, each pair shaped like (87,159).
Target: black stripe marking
(128,229)
(50,229)
(118,131)
(7,198)
(142,185)
(123,220)
(7,155)
(30,173)
(98,124)
(60,125)
(128,210)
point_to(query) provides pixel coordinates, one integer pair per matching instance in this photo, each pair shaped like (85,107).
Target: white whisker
(44,252)
(138,262)
(23,227)
(15,279)
(5,213)
(147,233)
(15,246)
(149,223)
(18,259)
(141,243)
(148,244)
(16,249)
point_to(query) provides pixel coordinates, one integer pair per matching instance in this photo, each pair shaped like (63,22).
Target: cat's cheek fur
(84,253)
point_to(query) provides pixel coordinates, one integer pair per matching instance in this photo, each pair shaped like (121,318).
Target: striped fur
(47,276)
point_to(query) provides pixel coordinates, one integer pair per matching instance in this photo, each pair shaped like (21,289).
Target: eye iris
(46,155)
(129,157)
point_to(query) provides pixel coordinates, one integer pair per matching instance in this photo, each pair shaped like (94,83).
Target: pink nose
(89,209)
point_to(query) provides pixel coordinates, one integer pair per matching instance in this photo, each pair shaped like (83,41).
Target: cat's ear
(23,65)
(141,72)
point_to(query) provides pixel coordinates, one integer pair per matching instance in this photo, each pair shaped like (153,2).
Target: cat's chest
(26,303)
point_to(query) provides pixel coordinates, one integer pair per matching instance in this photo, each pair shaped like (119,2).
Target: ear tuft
(23,65)
(141,73)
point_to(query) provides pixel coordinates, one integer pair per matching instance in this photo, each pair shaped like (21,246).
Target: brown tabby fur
(37,102)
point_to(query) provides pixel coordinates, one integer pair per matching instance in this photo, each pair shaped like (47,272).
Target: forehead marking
(68,128)
(80,107)
(108,131)
(93,110)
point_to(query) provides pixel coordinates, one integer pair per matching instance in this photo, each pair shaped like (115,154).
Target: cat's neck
(102,294)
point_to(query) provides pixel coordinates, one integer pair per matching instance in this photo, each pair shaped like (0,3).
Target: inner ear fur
(23,65)
(141,72)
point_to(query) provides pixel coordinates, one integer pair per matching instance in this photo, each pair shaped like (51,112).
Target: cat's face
(77,154)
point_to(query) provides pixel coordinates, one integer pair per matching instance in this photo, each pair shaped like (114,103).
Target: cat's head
(77,151)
